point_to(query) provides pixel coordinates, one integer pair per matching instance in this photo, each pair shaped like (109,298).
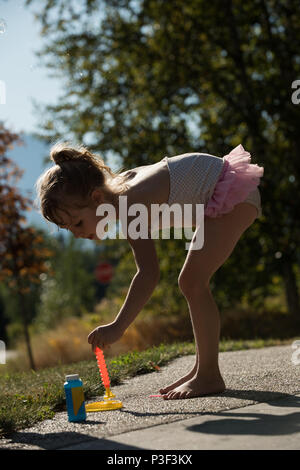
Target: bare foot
(196,387)
(180,381)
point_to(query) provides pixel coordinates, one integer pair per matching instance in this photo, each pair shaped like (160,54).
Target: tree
(22,249)
(70,289)
(149,78)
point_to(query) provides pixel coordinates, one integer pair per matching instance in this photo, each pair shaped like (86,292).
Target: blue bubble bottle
(75,398)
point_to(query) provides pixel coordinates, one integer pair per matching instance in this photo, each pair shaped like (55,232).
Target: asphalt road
(260,409)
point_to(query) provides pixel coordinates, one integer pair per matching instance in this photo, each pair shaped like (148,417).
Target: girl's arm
(139,292)
(143,283)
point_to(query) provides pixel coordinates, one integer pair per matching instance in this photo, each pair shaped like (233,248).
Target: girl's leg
(220,237)
(182,380)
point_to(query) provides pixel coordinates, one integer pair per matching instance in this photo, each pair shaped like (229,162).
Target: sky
(24,80)
(19,70)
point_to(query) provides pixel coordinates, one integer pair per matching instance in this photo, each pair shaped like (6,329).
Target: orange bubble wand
(108,403)
(103,372)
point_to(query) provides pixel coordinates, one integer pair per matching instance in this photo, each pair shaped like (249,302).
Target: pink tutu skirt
(238,178)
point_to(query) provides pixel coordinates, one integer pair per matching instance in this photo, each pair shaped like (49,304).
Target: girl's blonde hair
(70,182)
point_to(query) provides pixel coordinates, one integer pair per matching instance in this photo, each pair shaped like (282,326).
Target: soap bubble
(2,26)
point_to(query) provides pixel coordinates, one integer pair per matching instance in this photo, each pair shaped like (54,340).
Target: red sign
(104,272)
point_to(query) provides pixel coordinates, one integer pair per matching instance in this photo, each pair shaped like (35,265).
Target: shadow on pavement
(262,424)
(57,440)
(260,396)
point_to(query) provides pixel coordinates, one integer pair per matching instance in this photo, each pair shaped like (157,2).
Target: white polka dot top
(193,177)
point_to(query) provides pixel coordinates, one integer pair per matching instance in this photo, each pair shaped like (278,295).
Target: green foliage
(70,289)
(151,77)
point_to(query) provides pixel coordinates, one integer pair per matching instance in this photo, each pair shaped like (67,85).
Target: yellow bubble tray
(103,405)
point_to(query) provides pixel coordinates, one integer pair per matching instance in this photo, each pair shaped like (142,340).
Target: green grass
(29,397)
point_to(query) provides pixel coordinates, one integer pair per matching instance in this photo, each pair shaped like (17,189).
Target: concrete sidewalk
(260,409)
(271,426)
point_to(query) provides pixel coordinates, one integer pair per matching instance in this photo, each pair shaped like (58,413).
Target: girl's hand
(103,336)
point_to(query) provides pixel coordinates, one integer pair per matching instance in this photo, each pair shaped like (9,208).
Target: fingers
(95,341)
(91,337)
(101,346)
(94,338)
(94,345)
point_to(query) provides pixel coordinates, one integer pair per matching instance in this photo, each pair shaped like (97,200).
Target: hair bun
(62,152)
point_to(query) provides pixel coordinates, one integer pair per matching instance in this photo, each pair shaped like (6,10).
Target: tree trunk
(26,331)
(28,345)
(291,289)
(3,322)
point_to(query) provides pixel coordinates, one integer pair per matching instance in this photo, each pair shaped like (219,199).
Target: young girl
(72,189)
